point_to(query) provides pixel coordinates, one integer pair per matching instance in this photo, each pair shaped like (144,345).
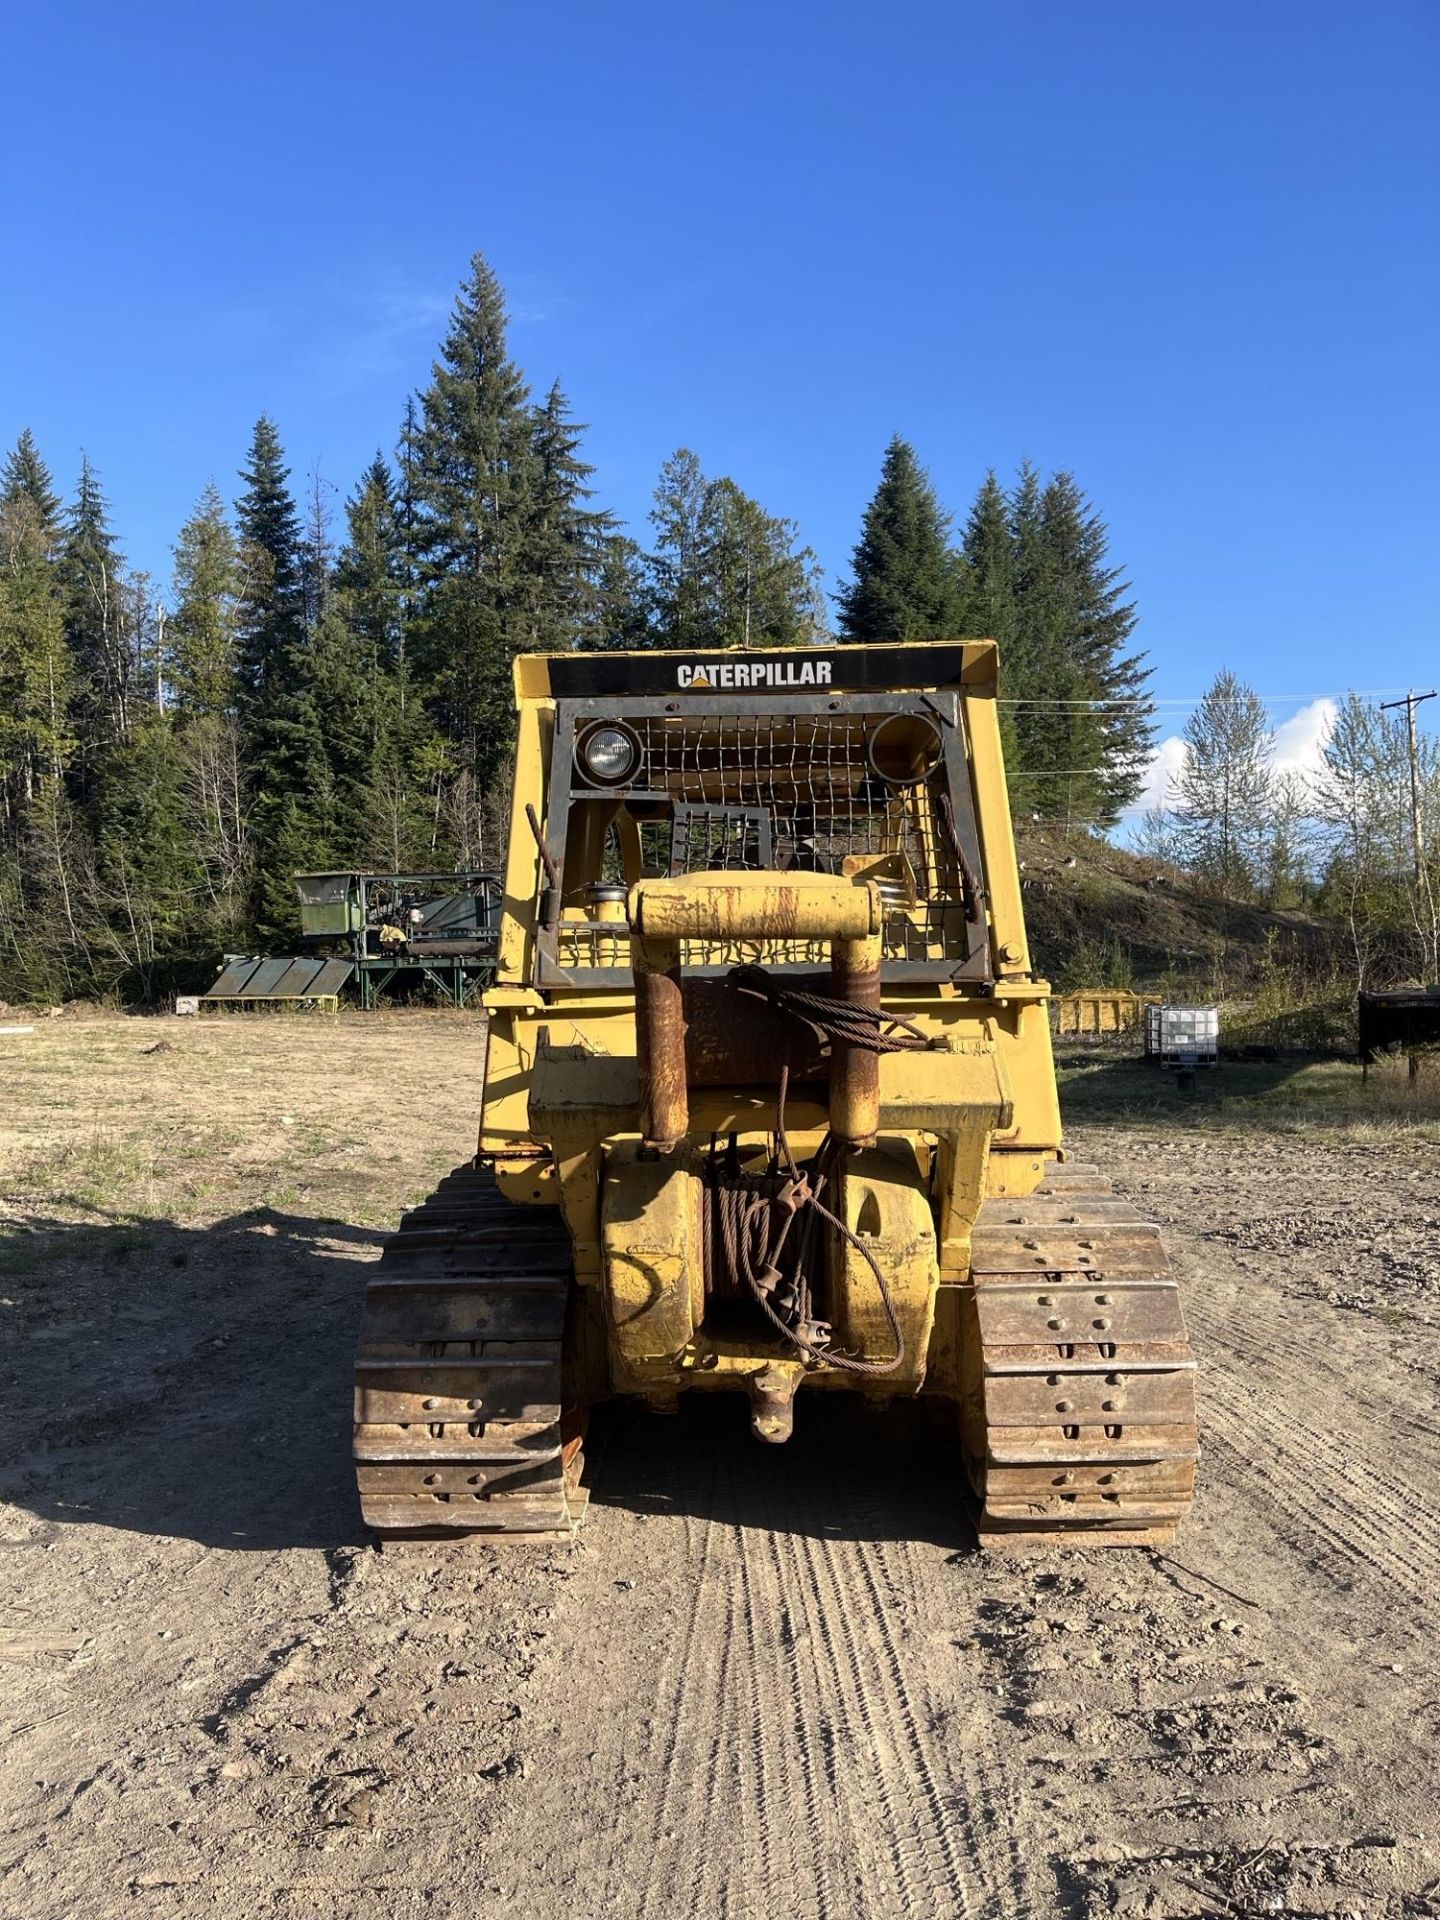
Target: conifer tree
(40,841)
(723,572)
(25,476)
(986,549)
(36,684)
(96,625)
(987,607)
(472,472)
(565,549)
(270,628)
(676,563)
(761,589)
(370,572)
(284,744)
(206,737)
(1100,619)
(147,876)
(906,583)
(202,628)
(622,615)
(1075,719)
(382,758)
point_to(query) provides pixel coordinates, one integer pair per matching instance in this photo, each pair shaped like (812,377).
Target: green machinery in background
(381,930)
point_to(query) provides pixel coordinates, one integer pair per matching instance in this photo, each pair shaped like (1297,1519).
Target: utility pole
(1422,878)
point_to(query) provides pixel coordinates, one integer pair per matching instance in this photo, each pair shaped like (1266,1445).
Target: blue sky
(1188,251)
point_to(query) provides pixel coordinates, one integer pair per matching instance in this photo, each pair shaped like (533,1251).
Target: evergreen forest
(315,690)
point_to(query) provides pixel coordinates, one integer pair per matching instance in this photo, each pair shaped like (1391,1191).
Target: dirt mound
(1094,911)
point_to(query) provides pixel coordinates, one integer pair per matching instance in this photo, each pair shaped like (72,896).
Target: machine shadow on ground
(191,1383)
(194,1383)
(847,1473)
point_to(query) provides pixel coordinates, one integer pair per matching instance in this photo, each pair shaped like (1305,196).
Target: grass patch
(1322,1099)
(106,1173)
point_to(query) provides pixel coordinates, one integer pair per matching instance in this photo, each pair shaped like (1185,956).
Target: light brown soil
(765,1681)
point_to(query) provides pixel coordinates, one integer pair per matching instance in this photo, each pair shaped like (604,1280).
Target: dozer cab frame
(769,1104)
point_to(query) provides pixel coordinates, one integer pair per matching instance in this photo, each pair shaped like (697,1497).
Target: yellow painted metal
(755,906)
(886,1204)
(1097,1010)
(651,1236)
(562,1118)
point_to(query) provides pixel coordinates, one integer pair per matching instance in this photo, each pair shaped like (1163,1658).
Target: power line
(1179,702)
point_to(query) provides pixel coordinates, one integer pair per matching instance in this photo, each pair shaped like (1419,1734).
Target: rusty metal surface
(855,1070)
(458,1378)
(737,1040)
(660,1044)
(755,906)
(1130,1252)
(1079,1420)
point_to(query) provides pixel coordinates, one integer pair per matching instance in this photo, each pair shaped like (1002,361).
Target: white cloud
(1166,762)
(1300,740)
(1296,746)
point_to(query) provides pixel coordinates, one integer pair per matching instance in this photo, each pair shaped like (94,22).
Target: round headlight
(609,754)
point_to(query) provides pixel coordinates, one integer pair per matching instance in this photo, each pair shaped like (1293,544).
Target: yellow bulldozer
(769,1104)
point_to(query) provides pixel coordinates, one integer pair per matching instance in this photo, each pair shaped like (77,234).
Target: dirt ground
(762,1682)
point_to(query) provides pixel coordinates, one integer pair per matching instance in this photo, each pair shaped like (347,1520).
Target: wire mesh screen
(719,839)
(811,777)
(792,792)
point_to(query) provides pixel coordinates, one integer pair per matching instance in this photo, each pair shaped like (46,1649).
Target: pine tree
(472,472)
(676,563)
(906,583)
(36,683)
(565,549)
(987,608)
(91,574)
(724,572)
(206,738)
(42,853)
(317,551)
(270,628)
(283,738)
(202,629)
(1055,735)
(25,476)
(622,615)
(381,759)
(1100,620)
(1076,723)
(1223,788)
(761,589)
(370,572)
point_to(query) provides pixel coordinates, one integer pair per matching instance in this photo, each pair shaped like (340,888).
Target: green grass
(1322,1099)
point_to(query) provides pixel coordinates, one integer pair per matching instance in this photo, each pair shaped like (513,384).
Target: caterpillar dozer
(769,1105)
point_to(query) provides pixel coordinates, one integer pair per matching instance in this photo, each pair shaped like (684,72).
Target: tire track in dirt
(948,1834)
(782,1818)
(1315,1473)
(690,1715)
(800,1748)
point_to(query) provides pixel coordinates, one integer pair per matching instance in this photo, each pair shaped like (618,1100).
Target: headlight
(610,754)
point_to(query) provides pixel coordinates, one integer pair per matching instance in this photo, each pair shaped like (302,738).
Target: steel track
(459,1426)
